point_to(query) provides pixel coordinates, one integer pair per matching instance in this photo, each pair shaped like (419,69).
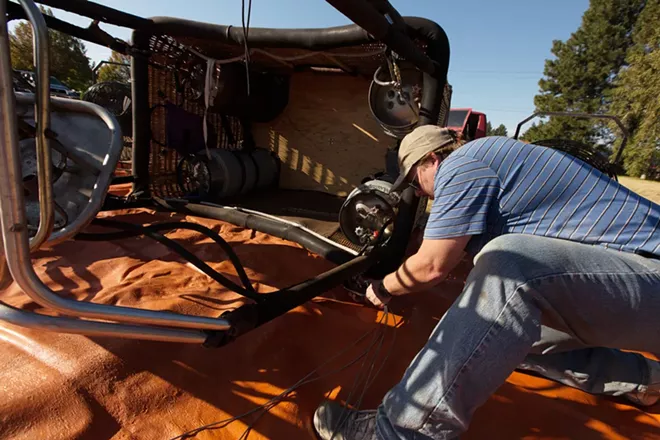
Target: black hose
(133,230)
(269,226)
(236,262)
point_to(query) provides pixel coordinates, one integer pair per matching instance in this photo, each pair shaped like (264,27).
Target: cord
(170,226)
(378,338)
(264,408)
(133,230)
(246,31)
(344,417)
(309,54)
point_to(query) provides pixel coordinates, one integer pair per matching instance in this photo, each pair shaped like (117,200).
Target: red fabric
(57,386)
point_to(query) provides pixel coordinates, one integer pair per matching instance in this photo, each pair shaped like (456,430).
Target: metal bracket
(618,122)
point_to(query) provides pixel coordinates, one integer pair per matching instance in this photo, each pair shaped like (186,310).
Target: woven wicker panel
(170,57)
(125,164)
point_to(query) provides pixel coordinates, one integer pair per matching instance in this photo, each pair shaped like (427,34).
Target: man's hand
(376,296)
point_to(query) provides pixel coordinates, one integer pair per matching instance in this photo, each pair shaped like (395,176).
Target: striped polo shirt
(497,185)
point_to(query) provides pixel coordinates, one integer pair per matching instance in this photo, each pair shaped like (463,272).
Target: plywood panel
(326,138)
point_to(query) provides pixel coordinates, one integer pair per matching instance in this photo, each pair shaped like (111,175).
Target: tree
(636,95)
(499,131)
(114,72)
(68,57)
(581,76)
(489,129)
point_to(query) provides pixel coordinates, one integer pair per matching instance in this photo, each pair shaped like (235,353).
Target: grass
(646,188)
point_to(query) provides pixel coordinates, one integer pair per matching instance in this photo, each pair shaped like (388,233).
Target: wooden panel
(326,138)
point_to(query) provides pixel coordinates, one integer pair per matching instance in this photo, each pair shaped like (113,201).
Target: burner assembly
(368,214)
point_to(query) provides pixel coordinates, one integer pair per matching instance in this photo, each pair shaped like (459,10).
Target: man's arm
(423,270)
(466,191)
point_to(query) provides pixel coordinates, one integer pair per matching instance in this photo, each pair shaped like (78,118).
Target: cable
(246,31)
(379,337)
(344,417)
(266,409)
(290,58)
(240,270)
(305,380)
(151,231)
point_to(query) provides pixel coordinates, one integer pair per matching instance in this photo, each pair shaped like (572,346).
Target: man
(566,273)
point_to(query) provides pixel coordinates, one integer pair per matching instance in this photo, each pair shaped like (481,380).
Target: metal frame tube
(99,12)
(92,34)
(370,19)
(616,120)
(15,236)
(104,177)
(272,226)
(42,120)
(250,316)
(141,114)
(91,328)
(15,232)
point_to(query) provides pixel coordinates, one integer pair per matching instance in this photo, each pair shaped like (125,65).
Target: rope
(282,58)
(367,383)
(246,31)
(208,83)
(378,335)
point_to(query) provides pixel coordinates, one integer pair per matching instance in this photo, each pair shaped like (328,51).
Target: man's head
(420,155)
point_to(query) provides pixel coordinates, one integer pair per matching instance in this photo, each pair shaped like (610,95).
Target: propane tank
(227,173)
(268,168)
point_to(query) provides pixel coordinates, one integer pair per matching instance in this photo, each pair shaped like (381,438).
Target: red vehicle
(467,121)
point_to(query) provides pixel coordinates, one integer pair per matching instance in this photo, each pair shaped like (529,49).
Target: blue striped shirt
(497,185)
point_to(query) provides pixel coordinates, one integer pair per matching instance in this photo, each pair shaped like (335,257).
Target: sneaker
(355,425)
(650,395)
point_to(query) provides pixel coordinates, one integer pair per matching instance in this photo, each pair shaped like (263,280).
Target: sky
(498,48)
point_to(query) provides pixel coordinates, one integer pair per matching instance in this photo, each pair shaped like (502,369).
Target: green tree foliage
(114,72)
(499,131)
(637,96)
(581,76)
(489,129)
(68,57)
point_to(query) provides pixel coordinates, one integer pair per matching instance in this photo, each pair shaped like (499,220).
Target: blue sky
(498,48)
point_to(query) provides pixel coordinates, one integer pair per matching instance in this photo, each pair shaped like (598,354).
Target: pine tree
(489,129)
(114,72)
(500,131)
(637,95)
(581,76)
(68,57)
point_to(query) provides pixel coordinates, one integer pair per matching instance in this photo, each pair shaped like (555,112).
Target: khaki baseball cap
(416,144)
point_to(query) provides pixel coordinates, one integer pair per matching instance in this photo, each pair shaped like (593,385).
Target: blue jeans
(552,306)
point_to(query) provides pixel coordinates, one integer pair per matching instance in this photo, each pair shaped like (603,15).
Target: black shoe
(355,425)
